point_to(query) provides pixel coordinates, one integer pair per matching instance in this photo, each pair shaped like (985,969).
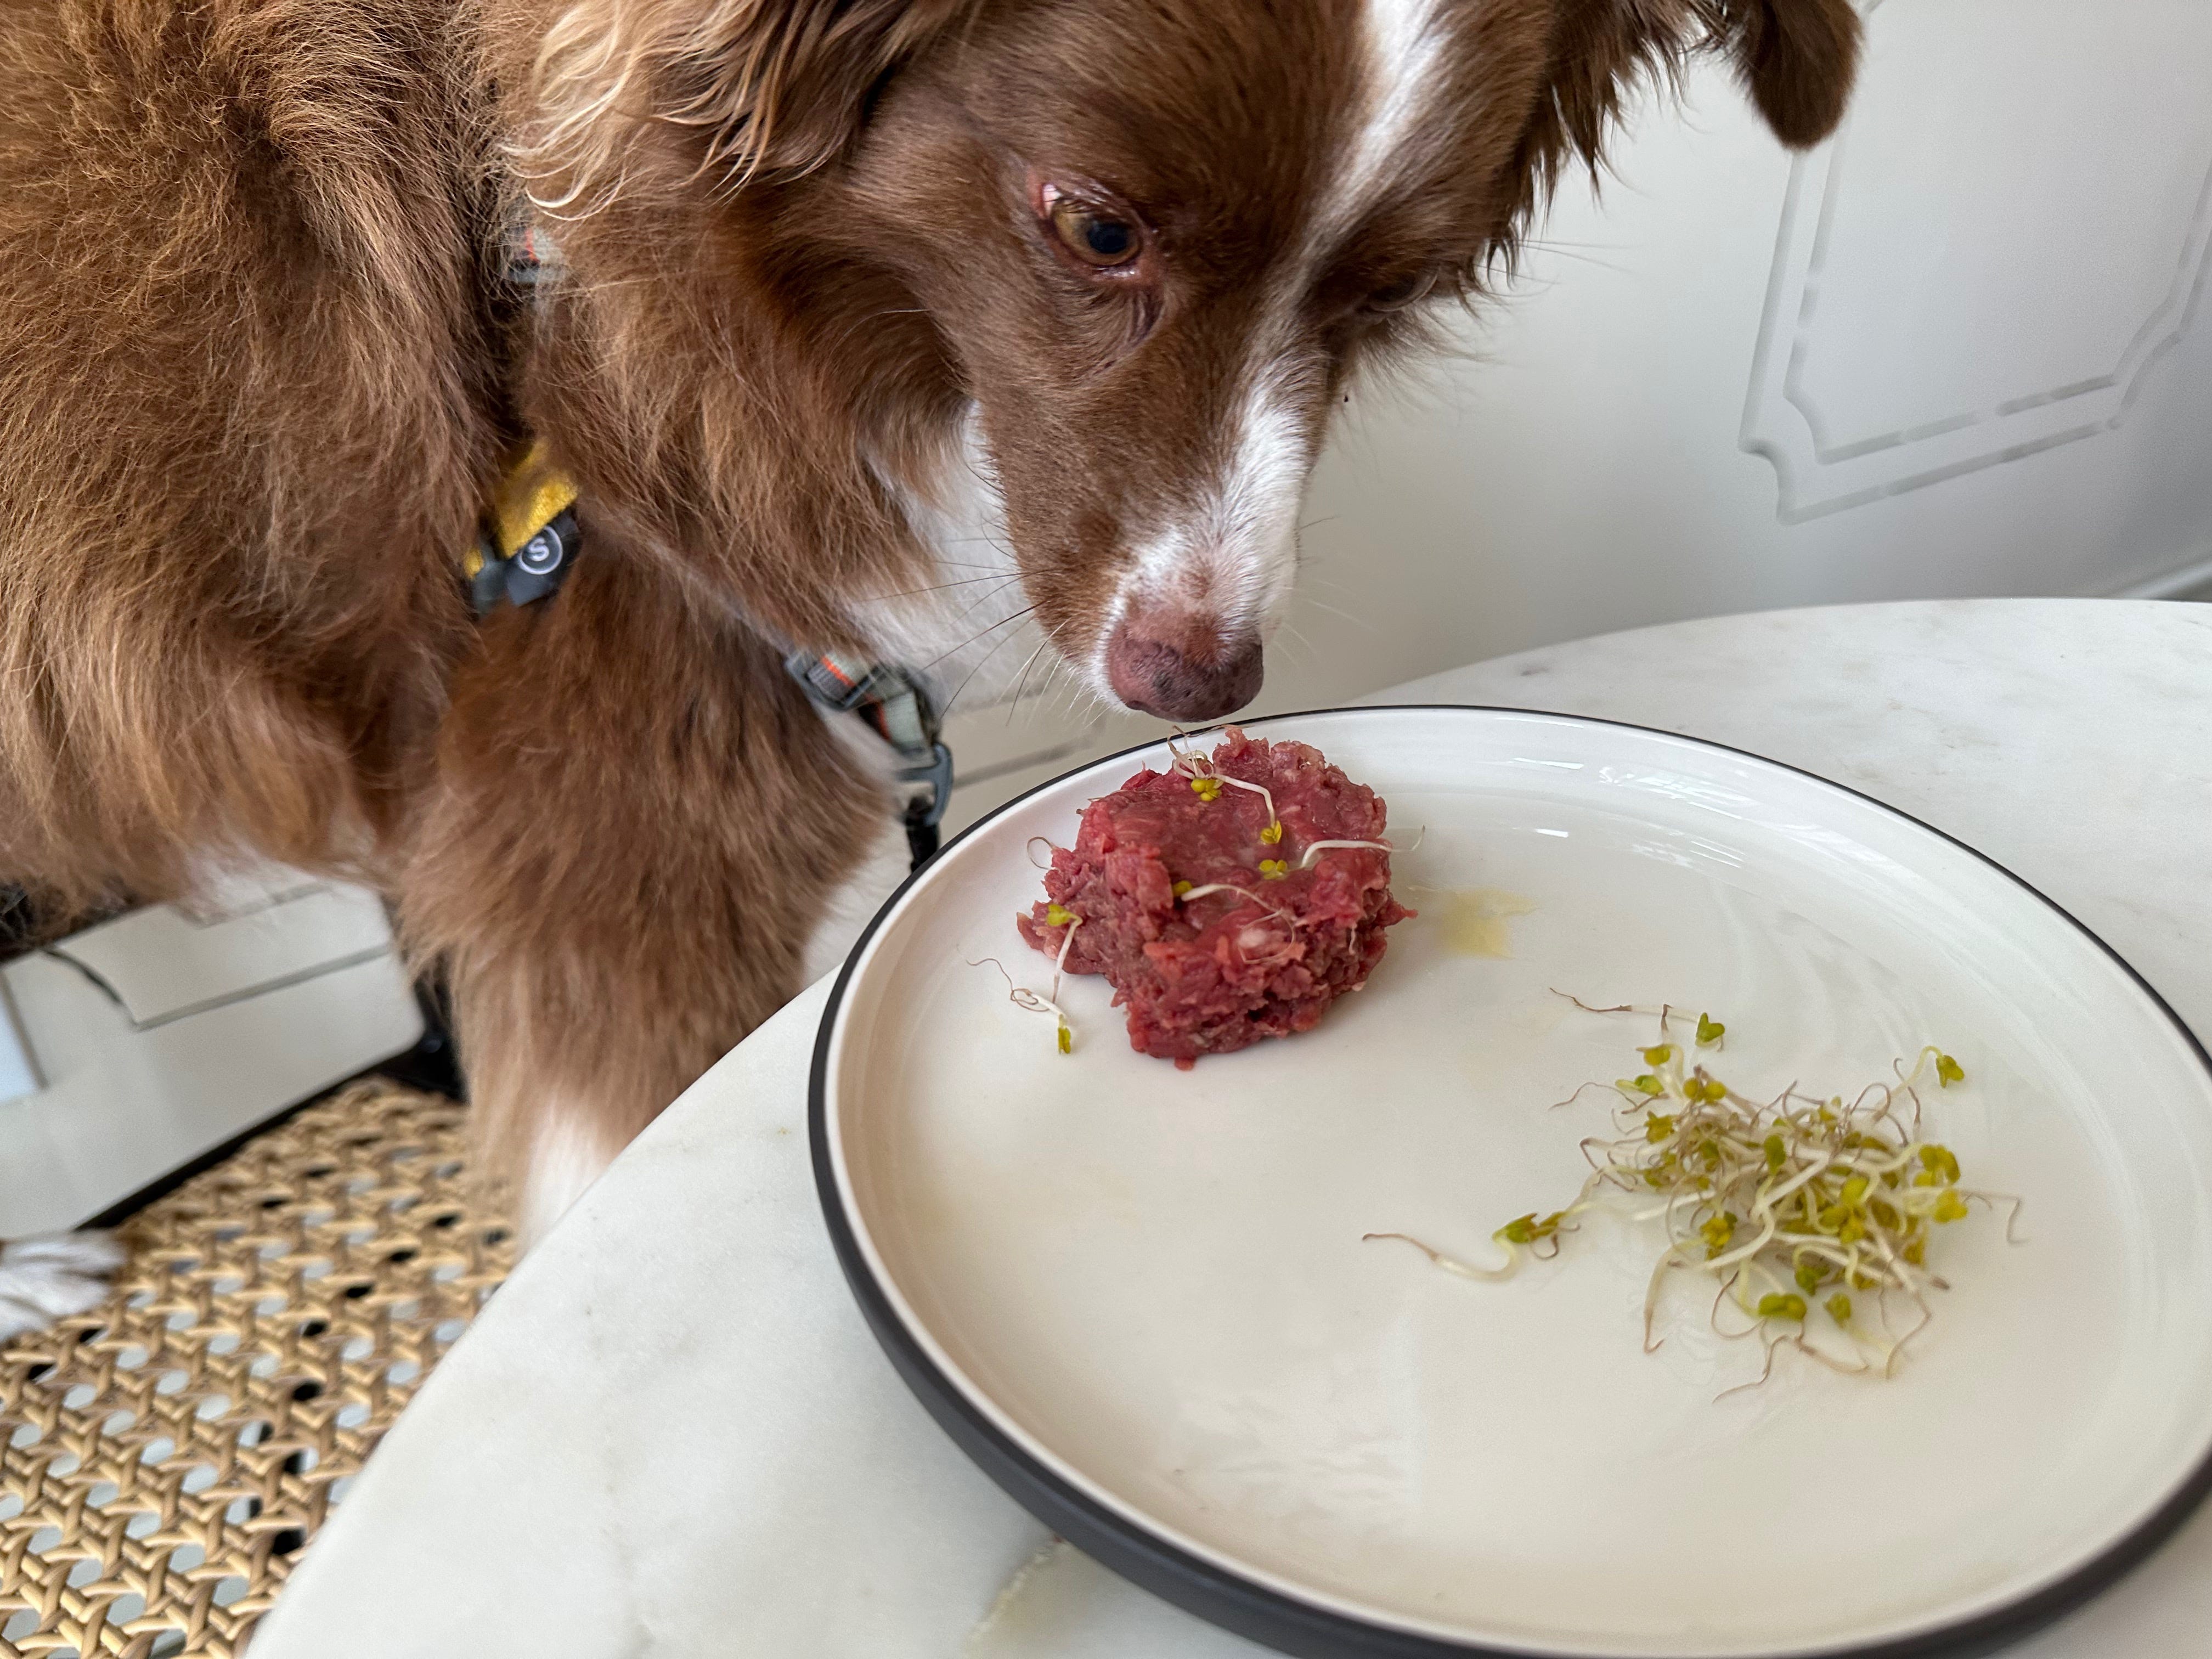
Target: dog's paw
(53,1276)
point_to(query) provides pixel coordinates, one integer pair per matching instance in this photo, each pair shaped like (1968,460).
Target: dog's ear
(742,88)
(783,85)
(1796,58)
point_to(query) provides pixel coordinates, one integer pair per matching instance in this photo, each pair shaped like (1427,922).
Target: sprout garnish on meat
(1206,781)
(1023,998)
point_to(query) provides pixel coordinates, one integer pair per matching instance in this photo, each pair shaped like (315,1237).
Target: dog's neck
(969,628)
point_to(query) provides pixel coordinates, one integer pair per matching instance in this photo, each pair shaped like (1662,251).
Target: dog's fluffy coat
(258,366)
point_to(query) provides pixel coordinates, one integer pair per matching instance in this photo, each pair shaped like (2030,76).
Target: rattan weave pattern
(164,1457)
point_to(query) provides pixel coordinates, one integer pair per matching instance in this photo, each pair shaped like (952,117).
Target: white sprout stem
(1257,789)
(1059,962)
(1452,1264)
(1898,1266)
(1315,849)
(1826,1249)
(1028,1000)
(1021,996)
(1906,1079)
(1667,1263)
(1859,1164)
(1765,1202)
(1196,765)
(1230,887)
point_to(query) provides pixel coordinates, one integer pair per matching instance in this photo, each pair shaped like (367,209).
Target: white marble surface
(670,1433)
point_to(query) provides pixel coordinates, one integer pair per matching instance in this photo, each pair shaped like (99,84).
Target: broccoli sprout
(1777,1201)
(1028,1000)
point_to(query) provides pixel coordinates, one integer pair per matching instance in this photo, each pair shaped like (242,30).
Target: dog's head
(1147,241)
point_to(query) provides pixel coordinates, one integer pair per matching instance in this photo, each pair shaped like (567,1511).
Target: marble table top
(671,1434)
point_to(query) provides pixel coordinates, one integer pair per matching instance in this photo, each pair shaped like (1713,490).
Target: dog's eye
(1096,237)
(1396,296)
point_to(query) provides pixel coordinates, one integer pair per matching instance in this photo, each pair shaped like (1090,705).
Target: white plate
(1139,1296)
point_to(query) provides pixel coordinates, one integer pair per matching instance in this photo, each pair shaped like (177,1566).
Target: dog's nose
(1182,669)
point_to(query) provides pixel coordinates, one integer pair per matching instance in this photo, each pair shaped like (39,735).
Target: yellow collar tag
(529,532)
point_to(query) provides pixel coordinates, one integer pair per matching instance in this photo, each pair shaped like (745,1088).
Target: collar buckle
(899,711)
(925,813)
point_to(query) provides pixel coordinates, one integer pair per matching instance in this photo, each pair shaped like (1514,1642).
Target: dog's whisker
(978,601)
(1015,701)
(999,542)
(937,587)
(977,635)
(1069,692)
(984,659)
(1353,617)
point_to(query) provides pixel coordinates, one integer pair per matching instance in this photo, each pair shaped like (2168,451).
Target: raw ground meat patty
(1218,971)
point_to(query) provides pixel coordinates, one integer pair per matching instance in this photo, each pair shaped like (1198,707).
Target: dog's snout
(1181,669)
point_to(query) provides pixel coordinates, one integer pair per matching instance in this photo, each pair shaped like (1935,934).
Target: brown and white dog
(902,328)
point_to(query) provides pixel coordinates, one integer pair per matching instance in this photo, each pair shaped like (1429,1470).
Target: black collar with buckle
(898,709)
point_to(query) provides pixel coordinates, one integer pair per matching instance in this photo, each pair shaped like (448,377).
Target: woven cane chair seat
(165,1458)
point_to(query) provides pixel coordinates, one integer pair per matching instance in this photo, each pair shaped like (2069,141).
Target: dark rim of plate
(1283,1621)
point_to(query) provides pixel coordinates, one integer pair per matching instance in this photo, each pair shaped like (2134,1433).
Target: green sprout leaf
(1709,1030)
(1527,1229)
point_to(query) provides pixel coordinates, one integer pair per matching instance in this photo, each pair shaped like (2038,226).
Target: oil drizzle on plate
(1476,920)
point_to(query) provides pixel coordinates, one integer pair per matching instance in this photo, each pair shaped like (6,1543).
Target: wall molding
(1820,471)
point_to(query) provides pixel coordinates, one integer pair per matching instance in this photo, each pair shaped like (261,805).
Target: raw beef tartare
(1218,920)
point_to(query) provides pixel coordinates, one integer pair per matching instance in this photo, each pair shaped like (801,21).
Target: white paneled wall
(1959,349)
(141,1043)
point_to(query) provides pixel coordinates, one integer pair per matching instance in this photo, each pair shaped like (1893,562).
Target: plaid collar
(897,708)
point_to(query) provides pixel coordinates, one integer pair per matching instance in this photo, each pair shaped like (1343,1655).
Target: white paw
(53,1276)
